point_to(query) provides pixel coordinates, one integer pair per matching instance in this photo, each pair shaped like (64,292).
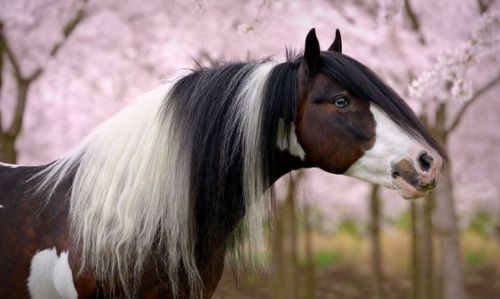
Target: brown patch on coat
(29,223)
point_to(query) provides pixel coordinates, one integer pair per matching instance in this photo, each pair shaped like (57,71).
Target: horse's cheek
(311,134)
(318,133)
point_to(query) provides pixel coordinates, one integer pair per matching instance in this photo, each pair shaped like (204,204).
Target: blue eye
(341,102)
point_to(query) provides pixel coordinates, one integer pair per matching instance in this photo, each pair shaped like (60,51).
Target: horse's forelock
(365,84)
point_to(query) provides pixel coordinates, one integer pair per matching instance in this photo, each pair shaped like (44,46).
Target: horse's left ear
(336,46)
(312,52)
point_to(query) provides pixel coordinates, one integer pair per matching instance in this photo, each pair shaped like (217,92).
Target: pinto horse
(149,203)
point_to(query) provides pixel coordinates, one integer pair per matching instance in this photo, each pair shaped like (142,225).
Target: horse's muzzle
(415,177)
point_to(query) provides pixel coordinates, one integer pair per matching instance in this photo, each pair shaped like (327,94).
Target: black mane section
(280,102)
(201,105)
(365,84)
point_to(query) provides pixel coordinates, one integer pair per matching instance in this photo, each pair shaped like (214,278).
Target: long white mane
(130,194)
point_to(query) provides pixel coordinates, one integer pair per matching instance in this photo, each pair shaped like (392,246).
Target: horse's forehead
(321,82)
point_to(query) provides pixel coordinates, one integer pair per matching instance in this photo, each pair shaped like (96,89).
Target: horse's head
(350,122)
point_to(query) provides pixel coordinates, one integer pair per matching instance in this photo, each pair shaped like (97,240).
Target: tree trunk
(415,252)
(447,230)
(310,275)
(427,254)
(378,276)
(8,153)
(422,249)
(285,249)
(445,221)
(497,219)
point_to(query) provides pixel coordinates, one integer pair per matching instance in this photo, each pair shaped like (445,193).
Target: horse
(149,203)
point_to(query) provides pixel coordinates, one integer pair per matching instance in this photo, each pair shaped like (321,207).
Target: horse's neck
(234,206)
(286,162)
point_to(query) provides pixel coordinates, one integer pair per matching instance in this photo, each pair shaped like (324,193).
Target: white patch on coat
(62,277)
(50,276)
(1,206)
(290,143)
(391,143)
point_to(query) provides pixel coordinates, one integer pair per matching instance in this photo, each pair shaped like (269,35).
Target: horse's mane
(177,170)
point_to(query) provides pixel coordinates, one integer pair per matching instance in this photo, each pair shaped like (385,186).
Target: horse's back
(28,223)
(16,193)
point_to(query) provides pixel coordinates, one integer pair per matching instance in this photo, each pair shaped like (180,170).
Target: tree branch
(414,21)
(481,91)
(23,82)
(22,96)
(484,5)
(68,29)
(10,54)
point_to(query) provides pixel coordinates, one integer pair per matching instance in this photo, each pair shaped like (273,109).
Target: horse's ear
(311,52)
(336,46)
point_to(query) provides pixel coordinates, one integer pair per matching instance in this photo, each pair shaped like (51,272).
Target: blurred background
(65,66)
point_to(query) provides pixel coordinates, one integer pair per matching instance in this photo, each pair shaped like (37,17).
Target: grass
(480,250)
(325,258)
(473,257)
(350,248)
(346,248)
(342,263)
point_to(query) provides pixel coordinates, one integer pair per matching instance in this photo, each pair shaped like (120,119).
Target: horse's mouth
(407,190)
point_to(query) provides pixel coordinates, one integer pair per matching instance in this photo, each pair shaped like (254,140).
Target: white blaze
(391,144)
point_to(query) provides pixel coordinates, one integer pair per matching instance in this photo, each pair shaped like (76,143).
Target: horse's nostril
(425,160)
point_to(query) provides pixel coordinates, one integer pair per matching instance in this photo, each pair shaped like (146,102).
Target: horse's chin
(407,190)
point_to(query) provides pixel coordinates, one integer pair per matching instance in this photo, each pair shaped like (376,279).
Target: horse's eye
(341,102)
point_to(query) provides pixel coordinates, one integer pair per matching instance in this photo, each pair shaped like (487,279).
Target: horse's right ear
(312,52)
(336,46)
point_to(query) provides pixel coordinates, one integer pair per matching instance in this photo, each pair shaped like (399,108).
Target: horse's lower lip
(407,190)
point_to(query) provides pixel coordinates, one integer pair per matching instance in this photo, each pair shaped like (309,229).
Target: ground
(342,263)
(344,282)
